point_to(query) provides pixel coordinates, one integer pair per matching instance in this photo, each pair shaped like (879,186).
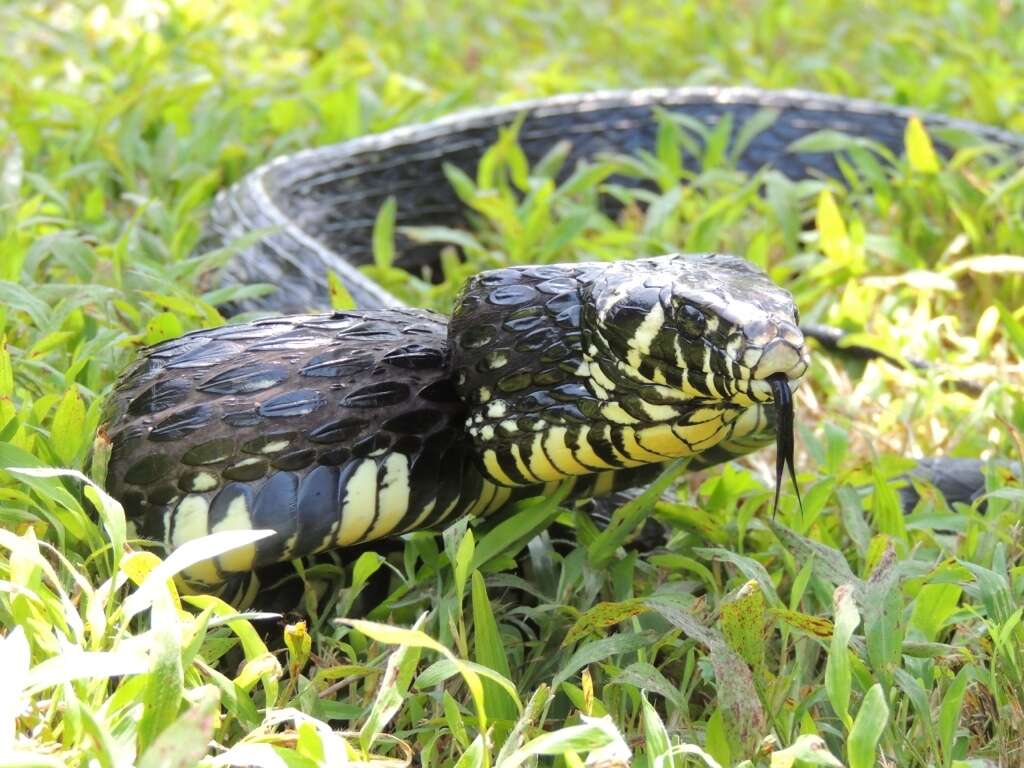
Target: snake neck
(544,401)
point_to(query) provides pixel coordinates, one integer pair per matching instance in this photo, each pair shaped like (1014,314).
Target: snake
(333,429)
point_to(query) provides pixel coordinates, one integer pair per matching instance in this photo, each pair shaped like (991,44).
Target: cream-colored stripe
(237,518)
(360,503)
(392,496)
(494,468)
(585,452)
(559,453)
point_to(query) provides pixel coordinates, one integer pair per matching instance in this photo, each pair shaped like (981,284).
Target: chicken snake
(341,428)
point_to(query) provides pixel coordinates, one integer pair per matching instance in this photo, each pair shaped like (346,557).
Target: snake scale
(337,429)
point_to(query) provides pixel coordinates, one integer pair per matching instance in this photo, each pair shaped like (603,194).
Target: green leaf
(655,736)
(743,624)
(601,616)
(867,729)
(809,749)
(513,533)
(384,633)
(600,650)
(384,234)
(631,515)
(463,562)
(949,714)
(453,717)
(838,676)
(187,739)
(533,710)
(593,734)
(475,756)
(1013,327)
(934,604)
(15,659)
(490,651)
(394,686)
(68,431)
(184,557)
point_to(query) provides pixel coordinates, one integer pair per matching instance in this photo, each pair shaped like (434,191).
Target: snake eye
(691,321)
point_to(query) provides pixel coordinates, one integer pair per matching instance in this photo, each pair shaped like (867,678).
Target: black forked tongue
(783,436)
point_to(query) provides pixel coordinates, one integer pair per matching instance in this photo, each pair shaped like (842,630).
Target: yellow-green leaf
(602,615)
(920,152)
(6,370)
(162,327)
(67,434)
(743,624)
(339,295)
(833,236)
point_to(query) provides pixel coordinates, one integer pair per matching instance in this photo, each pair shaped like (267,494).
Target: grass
(839,633)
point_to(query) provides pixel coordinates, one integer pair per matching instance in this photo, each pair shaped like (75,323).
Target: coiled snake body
(336,429)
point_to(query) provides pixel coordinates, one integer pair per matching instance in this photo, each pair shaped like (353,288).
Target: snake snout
(776,349)
(781,357)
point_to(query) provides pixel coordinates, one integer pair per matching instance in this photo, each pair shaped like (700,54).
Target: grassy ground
(842,633)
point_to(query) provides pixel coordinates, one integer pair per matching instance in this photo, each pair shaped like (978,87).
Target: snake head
(697,327)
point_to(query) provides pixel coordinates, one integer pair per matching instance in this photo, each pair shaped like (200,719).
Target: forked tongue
(783,436)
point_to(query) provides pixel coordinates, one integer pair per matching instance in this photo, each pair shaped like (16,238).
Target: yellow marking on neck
(452,507)
(561,455)
(427,509)
(616,414)
(541,466)
(711,441)
(621,459)
(648,329)
(360,503)
(494,468)
(501,497)
(392,496)
(585,453)
(661,440)
(750,420)
(638,454)
(603,484)
(696,434)
(699,434)
(517,457)
(487,491)
(703,414)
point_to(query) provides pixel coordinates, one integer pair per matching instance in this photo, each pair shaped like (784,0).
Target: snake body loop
(337,429)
